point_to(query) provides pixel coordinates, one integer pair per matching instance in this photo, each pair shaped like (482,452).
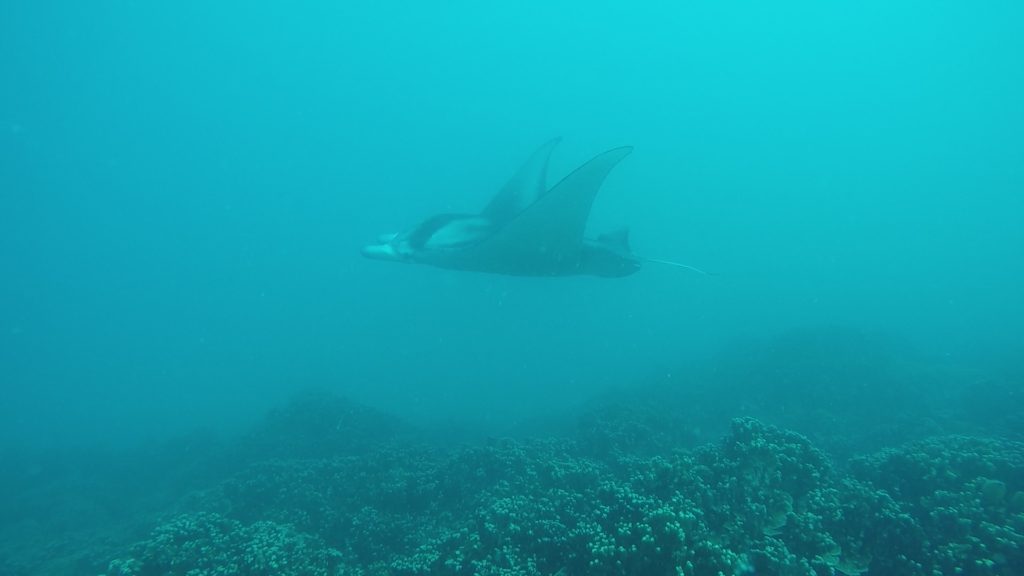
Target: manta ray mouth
(381,252)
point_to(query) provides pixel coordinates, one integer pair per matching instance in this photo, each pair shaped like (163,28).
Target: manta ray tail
(679,265)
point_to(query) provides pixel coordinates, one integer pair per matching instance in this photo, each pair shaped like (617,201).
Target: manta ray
(526,229)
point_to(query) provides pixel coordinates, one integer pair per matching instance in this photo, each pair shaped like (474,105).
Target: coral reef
(615,498)
(207,544)
(967,496)
(761,501)
(317,424)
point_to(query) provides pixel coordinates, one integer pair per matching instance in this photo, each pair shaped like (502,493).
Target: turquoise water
(185,188)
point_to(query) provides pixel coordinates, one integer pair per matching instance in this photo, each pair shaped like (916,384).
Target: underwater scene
(679,288)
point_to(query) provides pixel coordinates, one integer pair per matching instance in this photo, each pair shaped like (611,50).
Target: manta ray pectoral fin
(553,226)
(528,184)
